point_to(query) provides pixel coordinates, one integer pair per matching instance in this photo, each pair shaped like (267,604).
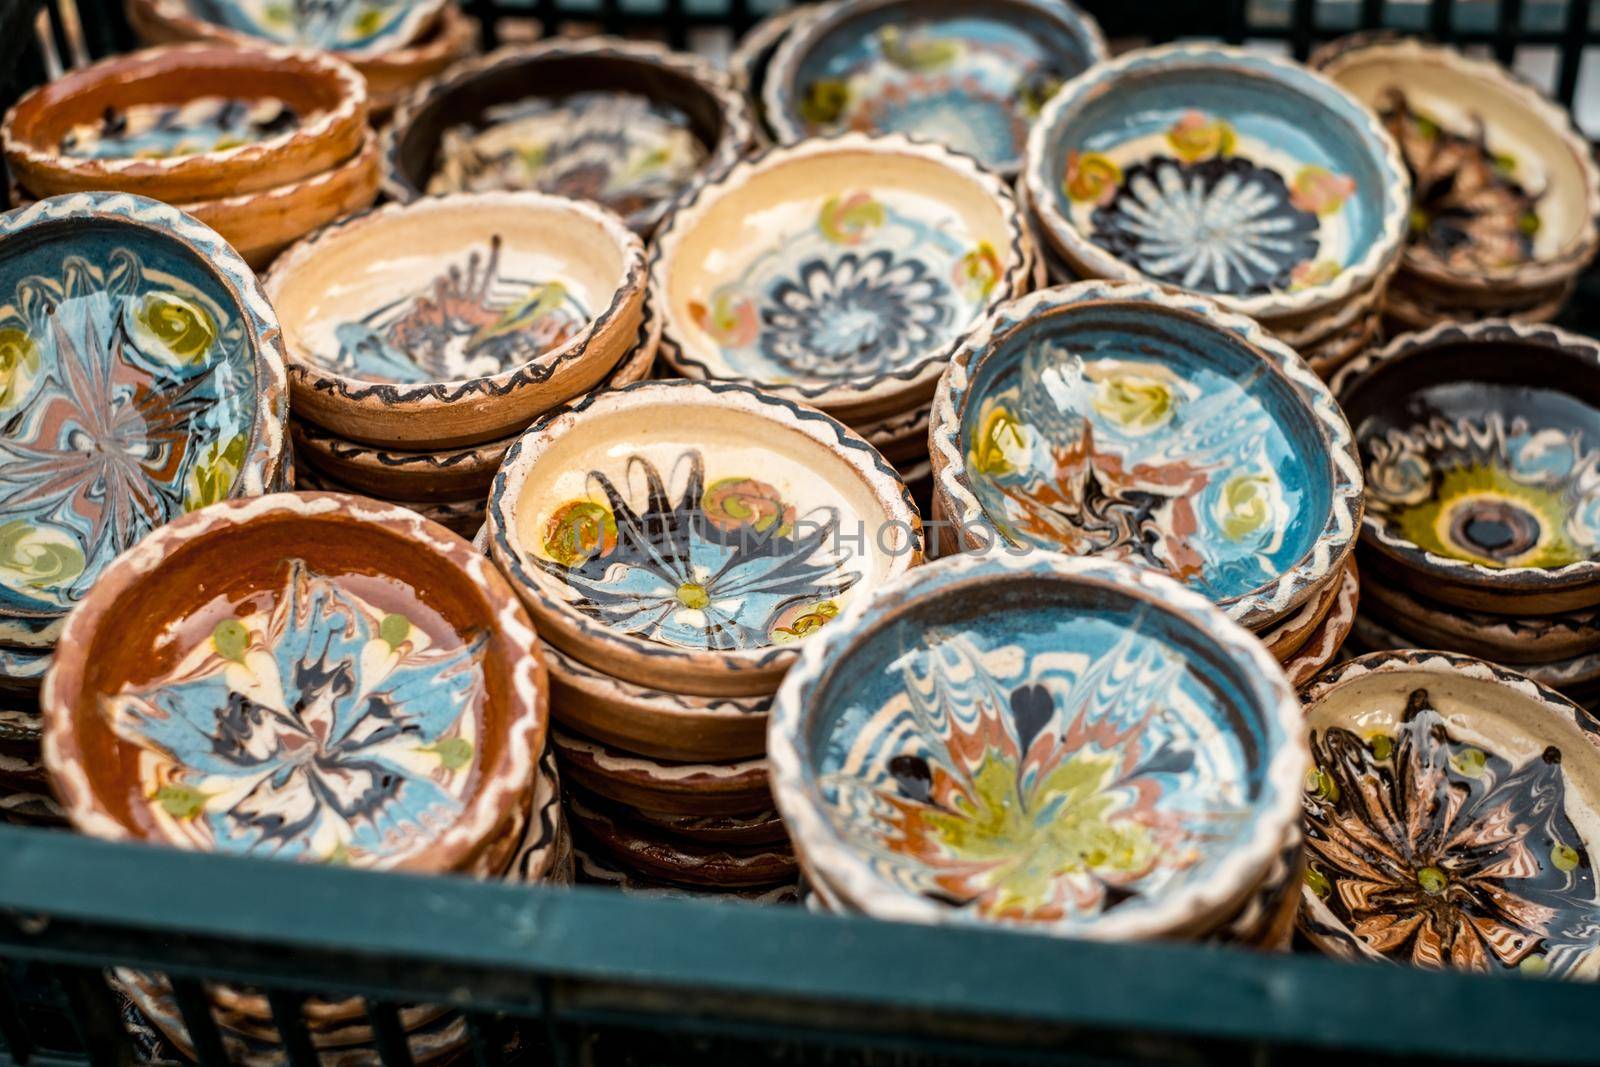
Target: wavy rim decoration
(690,209)
(1256,609)
(1577,252)
(1326,640)
(764,36)
(738,123)
(493,793)
(576,674)
(1317,89)
(1277,814)
(178,14)
(1487,331)
(822,429)
(1433,661)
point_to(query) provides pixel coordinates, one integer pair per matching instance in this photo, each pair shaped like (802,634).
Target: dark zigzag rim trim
(710,705)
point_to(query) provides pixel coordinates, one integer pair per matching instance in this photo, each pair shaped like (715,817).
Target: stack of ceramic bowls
(423,338)
(1500,878)
(1481,448)
(141,377)
(1504,187)
(359,633)
(394,46)
(674,542)
(627,124)
(969,74)
(262,145)
(842,273)
(1120,420)
(1227,173)
(1068,746)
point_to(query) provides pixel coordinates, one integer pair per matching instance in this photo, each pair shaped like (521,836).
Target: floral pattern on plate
(1489,490)
(724,565)
(162,131)
(862,290)
(1205,208)
(127,398)
(310,724)
(1436,851)
(471,322)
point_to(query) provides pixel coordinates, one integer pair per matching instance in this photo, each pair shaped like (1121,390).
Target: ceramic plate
(1066,744)
(1114,419)
(350,28)
(141,376)
(1220,171)
(972,75)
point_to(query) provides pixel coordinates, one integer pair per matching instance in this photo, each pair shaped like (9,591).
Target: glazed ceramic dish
(1326,642)
(626,124)
(1451,814)
(688,535)
(1115,419)
(1225,172)
(1069,745)
(141,376)
(842,272)
(382,667)
(733,788)
(1505,189)
(749,62)
(1510,639)
(1481,446)
(354,29)
(682,862)
(456,319)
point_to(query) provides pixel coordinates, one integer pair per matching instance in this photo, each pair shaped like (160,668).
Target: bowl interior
(448,290)
(342,698)
(700,527)
(972,76)
(1150,437)
(1040,750)
(1486,451)
(337,25)
(833,267)
(129,393)
(1529,194)
(1219,177)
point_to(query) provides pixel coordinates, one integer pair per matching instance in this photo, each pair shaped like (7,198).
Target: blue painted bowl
(353,29)
(141,377)
(1069,746)
(1118,420)
(1222,172)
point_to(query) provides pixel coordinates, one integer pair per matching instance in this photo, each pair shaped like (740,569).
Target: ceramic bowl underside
(1451,818)
(835,267)
(971,76)
(354,26)
(131,391)
(1221,174)
(1070,754)
(1146,437)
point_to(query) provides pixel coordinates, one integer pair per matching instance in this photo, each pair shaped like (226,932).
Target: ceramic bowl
(687,536)
(456,319)
(1070,745)
(627,124)
(971,74)
(1505,189)
(842,272)
(1509,639)
(354,29)
(271,620)
(750,60)
(187,122)
(597,869)
(22,670)
(762,828)
(730,788)
(1285,638)
(681,862)
(1481,447)
(1450,816)
(1323,646)
(464,517)
(141,376)
(1230,173)
(1092,418)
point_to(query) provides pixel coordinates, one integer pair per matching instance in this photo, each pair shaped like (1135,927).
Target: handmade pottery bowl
(1504,187)
(456,319)
(627,124)
(749,62)
(141,376)
(352,29)
(730,788)
(401,725)
(1117,419)
(464,517)
(1578,677)
(188,122)
(392,76)
(1481,447)
(972,75)
(1286,637)
(594,867)
(842,271)
(762,828)
(1323,646)
(1230,173)
(683,862)
(776,517)
(22,670)
(1508,639)
(1450,815)
(1071,745)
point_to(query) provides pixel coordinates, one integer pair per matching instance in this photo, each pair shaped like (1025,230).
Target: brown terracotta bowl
(736,788)
(683,862)
(385,668)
